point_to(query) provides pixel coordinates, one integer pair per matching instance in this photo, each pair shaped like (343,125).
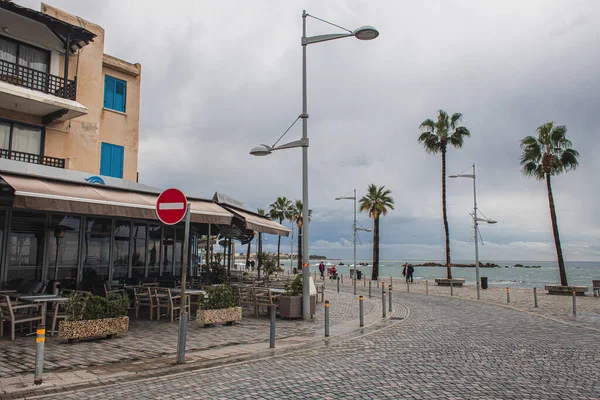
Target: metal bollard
(390,292)
(426,286)
(272,330)
(384,308)
(361,310)
(535,303)
(181,338)
(574,302)
(364,282)
(326,318)
(507,296)
(342,275)
(391,282)
(377,283)
(338,284)
(370,289)
(451,287)
(354,284)
(40,340)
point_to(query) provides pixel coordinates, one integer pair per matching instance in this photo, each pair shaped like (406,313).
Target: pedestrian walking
(409,273)
(322,270)
(404,271)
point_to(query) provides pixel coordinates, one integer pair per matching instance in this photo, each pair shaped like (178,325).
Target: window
(111,160)
(14,55)
(21,138)
(115,93)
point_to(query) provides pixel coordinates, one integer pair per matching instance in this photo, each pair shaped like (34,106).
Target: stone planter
(73,330)
(449,282)
(229,315)
(291,306)
(566,290)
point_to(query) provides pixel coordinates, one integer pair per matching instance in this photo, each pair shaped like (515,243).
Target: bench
(596,288)
(566,290)
(450,282)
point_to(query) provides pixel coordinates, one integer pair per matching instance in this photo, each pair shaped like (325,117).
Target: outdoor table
(277,290)
(44,299)
(8,291)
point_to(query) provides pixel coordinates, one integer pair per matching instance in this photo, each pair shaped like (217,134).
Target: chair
(143,298)
(108,289)
(59,311)
(246,297)
(15,314)
(166,300)
(263,297)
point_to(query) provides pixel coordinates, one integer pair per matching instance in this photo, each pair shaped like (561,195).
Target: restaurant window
(178,253)
(14,55)
(25,249)
(121,250)
(168,242)
(20,138)
(96,251)
(138,261)
(63,245)
(154,232)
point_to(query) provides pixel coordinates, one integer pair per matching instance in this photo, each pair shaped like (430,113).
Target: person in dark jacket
(409,273)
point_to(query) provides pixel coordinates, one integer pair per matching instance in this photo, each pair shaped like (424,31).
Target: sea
(506,275)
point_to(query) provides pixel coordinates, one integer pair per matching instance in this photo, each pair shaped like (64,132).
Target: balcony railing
(32,158)
(36,80)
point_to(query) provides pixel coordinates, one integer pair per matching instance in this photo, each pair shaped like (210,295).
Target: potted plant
(89,315)
(218,306)
(290,304)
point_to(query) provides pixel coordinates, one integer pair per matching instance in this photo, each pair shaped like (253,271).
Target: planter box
(93,327)
(566,290)
(208,317)
(446,281)
(291,306)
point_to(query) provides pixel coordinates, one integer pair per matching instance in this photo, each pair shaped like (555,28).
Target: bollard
(370,289)
(426,286)
(407,287)
(326,318)
(535,303)
(377,283)
(574,303)
(451,287)
(390,293)
(338,284)
(181,338)
(361,310)
(342,275)
(364,282)
(354,284)
(384,308)
(40,339)
(272,330)
(391,283)
(507,296)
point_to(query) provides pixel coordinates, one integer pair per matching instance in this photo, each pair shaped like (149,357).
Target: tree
(435,137)
(262,213)
(296,216)
(547,155)
(280,210)
(376,202)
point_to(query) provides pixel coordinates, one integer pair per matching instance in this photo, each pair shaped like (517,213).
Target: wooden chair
(108,289)
(166,300)
(246,297)
(59,311)
(19,314)
(263,297)
(143,298)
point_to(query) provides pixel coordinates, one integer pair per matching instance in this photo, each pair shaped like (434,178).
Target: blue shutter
(105,159)
(117,162)
(109,92)
(120,89)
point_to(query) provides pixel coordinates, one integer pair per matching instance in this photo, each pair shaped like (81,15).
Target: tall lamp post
(354,228)
(475,224)
(362,33)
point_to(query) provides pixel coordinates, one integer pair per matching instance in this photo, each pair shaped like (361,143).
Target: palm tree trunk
(300,248)
(561,261)
(375,273)
(248,253)
(444,216)
(279,247)
(259,256)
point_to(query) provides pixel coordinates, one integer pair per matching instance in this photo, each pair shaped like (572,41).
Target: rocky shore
(481,265)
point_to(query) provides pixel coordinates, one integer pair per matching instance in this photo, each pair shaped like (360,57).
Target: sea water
(578,272)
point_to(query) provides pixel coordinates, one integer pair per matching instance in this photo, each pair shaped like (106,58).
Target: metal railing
(30,78)
(32,158)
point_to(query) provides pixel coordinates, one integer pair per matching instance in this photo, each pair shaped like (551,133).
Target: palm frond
(427,125)
(569,159)
(456,118)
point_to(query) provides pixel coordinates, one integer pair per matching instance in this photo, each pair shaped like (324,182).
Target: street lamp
(475,220)
(362,33)
(354,228)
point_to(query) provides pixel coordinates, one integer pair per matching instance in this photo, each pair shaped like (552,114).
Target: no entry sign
(171,206)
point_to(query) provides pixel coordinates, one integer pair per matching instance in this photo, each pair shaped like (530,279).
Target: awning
(49,195)
(260,224)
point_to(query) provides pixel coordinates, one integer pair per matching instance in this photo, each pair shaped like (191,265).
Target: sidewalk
(149,348)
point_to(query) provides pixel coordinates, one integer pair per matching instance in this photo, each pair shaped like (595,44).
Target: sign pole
(183,315)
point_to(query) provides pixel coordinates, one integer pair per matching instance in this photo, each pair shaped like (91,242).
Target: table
(8,291)
(44,299)
(277,290)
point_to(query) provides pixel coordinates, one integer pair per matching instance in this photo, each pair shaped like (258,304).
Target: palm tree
(549,154)
(435,137)
(296,216)
(280,210)
(262,213)
(376,202)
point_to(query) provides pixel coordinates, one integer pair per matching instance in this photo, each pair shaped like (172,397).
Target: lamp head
(453,176)
(261,150)
(366,32)
(491,221)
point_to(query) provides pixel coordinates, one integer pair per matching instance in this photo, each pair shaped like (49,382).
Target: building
(71,209)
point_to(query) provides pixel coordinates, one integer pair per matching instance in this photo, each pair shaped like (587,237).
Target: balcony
(32,158)
(37,80)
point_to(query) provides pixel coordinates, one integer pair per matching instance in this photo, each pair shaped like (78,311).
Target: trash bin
(359,275)
(484,282)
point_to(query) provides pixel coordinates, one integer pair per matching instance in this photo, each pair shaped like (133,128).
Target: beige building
(87,123)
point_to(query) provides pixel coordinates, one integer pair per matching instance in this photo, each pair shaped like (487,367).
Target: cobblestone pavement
(448,348)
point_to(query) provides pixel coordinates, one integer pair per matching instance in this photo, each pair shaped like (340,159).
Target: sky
(219,77)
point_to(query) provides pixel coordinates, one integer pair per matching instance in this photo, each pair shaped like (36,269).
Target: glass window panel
(8,51)
(4,135)
(168,241)
(64,231)
(178,257)
(27,139)
(154,232)
(25,249)
(33,58)
(96,251)
(138,262)
(121,250)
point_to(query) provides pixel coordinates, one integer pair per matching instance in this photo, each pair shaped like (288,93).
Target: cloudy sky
(222,76)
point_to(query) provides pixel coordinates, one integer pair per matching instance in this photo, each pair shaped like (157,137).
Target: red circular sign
(171,206)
